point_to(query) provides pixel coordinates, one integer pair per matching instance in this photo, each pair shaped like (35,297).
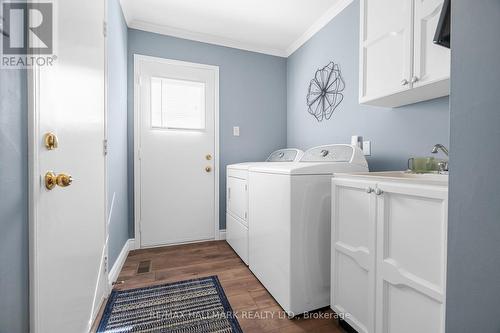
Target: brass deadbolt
(61,180)
(50,140)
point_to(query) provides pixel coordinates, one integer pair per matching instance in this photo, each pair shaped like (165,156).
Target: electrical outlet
(367,148)
(236,131)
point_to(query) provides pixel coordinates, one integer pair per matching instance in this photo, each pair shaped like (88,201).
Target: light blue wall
(252,96)
(13,202)
(396,134)
(117,131)
(473,288)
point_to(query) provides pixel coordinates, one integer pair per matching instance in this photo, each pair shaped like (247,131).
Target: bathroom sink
(423,178)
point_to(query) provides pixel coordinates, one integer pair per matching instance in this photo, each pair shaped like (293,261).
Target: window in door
(177,104)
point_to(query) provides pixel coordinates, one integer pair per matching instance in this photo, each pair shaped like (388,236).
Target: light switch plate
(367,148)
(236,131)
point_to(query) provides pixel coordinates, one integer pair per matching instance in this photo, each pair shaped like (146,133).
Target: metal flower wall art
(325,92)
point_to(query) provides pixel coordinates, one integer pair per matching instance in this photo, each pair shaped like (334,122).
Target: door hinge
(139,154)
(105,28)
(105,147)
(246,187)
(106,264)
(246,215)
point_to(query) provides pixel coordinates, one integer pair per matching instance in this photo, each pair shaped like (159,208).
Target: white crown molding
(201,37)
(318,25)
(222,41)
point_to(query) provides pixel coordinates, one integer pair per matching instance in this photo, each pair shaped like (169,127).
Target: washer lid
(282,155)
(244,166)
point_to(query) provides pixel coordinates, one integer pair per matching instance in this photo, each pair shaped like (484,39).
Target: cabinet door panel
(432,62)
(409,311)
(411,258)
(386,47)
(353,252)
(237,198)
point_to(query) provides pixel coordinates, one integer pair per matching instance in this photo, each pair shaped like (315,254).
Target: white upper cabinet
(432,62)
(399,63)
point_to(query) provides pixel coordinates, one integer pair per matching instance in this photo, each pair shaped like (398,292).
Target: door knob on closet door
(369,190)
(378,191)
(52,180)
(404,82)
(414,79)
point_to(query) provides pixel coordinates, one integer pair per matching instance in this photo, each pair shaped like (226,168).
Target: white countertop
(417,178)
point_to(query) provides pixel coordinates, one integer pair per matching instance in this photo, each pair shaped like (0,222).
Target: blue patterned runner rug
(193,306)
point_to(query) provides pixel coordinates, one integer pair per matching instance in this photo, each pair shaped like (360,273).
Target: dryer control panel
(335,153)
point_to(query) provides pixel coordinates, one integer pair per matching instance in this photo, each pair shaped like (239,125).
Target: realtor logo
(27,34)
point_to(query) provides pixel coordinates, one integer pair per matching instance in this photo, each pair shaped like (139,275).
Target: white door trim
(137,172)
(34,183)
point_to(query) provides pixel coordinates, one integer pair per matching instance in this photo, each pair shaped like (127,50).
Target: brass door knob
(208,157)
(208,169)
(50,140)
(62,180)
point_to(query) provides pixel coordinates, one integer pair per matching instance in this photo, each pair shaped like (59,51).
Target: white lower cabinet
(389,254)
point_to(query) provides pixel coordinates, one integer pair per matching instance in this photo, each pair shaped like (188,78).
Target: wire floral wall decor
(325,92)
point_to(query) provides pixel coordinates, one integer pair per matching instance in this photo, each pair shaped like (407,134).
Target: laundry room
(249,166)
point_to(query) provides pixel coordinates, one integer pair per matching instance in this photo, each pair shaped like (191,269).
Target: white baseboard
(117,266)
(222,234)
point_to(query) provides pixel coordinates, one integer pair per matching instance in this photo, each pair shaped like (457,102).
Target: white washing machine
(289,238)
(237,198)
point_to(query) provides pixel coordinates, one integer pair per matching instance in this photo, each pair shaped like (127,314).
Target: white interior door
(67,228)
(175,141)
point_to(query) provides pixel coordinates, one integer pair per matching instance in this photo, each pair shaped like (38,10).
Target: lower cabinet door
(353,252)
(237,236)
(411,258)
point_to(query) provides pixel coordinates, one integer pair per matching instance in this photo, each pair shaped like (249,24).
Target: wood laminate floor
(257,310)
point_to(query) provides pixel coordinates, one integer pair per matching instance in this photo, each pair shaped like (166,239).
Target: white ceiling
(276,27)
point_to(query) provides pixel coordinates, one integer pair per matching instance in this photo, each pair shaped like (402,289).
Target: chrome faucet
(439,147)
(443,165)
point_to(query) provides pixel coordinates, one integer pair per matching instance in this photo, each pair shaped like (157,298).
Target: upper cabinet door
(432,62)
(386,47)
